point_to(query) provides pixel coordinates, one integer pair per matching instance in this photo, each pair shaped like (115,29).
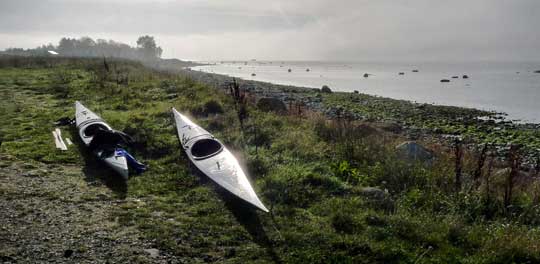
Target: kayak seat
(91,130)
(205,148)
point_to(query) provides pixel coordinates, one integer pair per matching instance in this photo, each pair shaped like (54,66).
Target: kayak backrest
(205,148)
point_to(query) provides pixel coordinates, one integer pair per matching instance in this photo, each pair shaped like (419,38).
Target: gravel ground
(54,214)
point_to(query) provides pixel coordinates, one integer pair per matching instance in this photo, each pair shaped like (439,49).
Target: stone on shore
(412,151)
(391,127)
(269,104)
(377,198)
(153,252)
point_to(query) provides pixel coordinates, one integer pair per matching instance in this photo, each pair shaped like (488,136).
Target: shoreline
(417,120)
(291,92)
(485,87)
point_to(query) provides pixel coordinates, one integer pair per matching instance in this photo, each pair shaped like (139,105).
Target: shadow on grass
(243,212)
(97,171)
(247,216)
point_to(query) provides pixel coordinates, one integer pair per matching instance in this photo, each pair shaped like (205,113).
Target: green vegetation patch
(312,182)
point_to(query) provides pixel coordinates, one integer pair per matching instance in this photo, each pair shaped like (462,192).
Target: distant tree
(146,49)
(86,47)
(67,46)
(147,45)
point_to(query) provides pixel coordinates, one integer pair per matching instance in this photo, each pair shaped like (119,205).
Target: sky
(428,30)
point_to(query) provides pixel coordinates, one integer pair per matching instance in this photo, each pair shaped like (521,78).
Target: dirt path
(50,213)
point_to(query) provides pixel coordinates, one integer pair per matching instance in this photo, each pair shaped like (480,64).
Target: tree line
(146,49)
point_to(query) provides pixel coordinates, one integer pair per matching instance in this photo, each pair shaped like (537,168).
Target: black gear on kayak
(64,121)
(104,137)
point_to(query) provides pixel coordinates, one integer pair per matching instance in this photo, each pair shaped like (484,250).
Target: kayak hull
(220,165)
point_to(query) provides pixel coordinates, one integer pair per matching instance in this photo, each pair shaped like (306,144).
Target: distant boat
(465,76)
(445,81)
(455,77)
(289,70)
(253,74)
(52,52)
(414,70)
(307,69)
(401,73)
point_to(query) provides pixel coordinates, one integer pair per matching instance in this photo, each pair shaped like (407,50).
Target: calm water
(509,87)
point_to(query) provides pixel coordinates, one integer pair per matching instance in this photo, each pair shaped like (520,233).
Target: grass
(311,180)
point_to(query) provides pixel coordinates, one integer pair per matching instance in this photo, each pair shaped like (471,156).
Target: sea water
(509,87)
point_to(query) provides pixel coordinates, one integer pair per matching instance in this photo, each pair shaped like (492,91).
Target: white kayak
(214,160)
(87,123)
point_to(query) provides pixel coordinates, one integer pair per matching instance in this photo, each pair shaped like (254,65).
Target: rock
(326,89)
(171,96)
(366,75)
(391,127)
(253,74)
(356,91)
(465,76)
(410,150)
(68,253)
(455,77)
(373,193)
(365,130)
(378,198)
(154,252)
(414,70)
(307,69)
(401,73)
(32,173)
(445,81)
(537,71)
(269,104)
(289,70)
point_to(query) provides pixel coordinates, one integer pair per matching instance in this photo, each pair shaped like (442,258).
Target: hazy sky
(289,29)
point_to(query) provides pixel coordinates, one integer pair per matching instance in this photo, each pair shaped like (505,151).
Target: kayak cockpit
(205,148)
(92,129)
